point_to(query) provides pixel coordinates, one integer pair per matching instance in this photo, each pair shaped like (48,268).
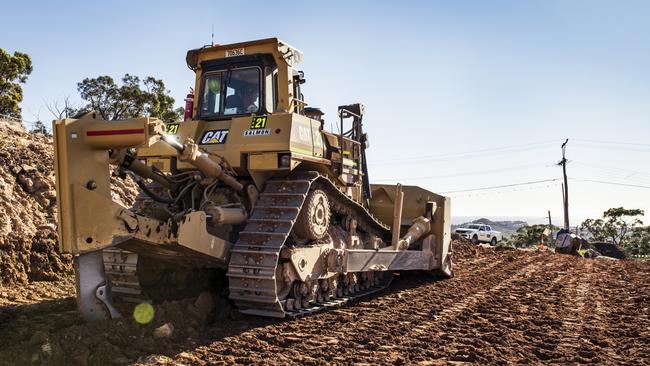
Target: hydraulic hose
(149,193)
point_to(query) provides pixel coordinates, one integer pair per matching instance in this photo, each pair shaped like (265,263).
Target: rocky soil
(502,306)
(28,238)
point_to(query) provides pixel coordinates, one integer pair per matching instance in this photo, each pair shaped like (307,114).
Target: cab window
(243,92)
(269,81)
(231,92)
(211,98)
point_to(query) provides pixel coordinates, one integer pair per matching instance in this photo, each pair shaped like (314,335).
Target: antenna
(212,35)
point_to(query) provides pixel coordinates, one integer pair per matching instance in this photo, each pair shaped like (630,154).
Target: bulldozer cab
(258,79)
(248,78)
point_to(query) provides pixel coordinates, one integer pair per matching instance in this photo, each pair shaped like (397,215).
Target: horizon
(489,93)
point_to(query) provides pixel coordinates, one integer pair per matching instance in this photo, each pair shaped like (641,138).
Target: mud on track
(521,307)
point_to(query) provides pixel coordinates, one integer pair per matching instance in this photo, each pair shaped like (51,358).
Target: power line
(471,173)
(611,147)
(611,183)
(611,142)
(501,186)
(612,169)
(502,191)
(468,154)
(617,173)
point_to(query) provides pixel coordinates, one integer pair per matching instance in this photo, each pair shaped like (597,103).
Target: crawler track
(120,267)
(254,259)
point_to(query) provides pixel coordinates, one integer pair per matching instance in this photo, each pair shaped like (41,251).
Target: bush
(529,235)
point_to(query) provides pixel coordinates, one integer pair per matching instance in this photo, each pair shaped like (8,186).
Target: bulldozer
(249,195)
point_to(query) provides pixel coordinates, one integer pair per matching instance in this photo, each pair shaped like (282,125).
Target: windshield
(472,226)
(230,93)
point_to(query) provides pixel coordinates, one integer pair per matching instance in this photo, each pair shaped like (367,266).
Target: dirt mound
(28,238)
(463,249)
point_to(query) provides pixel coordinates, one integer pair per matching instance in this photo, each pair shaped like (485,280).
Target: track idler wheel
(314,219)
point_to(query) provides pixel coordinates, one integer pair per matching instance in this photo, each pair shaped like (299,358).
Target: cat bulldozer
(249,196)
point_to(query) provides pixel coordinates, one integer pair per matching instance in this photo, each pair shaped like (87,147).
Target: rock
(153,359)
(80,355)
(205,302)
(120,360)
(590,253)
(607,258)
(28,168)
(332,341)
(26,183)
(38,338)
(49,226)
(164,331)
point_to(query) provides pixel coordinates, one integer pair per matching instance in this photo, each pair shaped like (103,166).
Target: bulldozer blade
(93,290)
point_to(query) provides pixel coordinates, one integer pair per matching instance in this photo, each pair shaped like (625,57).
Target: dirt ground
(510,306)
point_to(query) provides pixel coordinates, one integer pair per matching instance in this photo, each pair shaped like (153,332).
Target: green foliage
(529,235)
(39,128)
(622,227)
(639,241)
(506,243)
(132,99)
(13,72)
(615,225)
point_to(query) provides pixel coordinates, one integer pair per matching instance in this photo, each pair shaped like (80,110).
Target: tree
(616,226)
(529,235)
(134,98)
(61,110)
(39,128)
(13,72)
(639,241)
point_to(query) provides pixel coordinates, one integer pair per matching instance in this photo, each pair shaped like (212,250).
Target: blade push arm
(82,156)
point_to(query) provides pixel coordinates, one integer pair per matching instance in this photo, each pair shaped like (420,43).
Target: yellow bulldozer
(250,194)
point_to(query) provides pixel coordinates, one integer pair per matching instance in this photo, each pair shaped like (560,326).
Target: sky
(459,95)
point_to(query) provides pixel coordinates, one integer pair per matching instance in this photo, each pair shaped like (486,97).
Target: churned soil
(502,307)
(28,238)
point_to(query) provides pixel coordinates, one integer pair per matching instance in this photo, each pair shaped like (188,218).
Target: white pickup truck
(480,233)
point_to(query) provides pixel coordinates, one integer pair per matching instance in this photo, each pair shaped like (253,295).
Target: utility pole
(565,186)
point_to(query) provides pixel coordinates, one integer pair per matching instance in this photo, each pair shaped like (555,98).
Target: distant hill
(505,227)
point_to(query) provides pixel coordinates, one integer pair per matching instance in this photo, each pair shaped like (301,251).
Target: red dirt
(518,307)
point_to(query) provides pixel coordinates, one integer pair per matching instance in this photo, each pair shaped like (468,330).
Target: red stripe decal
(115,132)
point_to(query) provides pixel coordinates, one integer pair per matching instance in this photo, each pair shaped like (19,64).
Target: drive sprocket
(314,219)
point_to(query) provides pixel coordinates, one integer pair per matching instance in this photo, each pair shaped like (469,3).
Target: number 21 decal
(171,129)
(258,122)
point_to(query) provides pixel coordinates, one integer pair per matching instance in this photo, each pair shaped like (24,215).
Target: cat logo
(211,137)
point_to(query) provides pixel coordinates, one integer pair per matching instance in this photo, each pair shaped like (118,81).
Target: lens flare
(143,313)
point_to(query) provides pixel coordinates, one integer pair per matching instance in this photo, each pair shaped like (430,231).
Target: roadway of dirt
(520,307)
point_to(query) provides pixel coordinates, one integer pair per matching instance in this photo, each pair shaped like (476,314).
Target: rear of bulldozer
(252,194)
